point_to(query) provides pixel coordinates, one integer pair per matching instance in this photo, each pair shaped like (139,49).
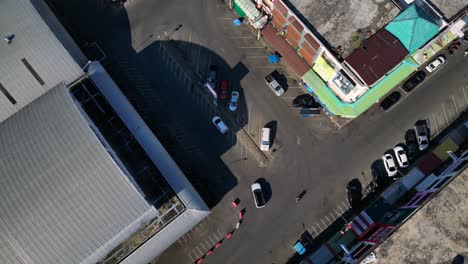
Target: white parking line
(241,37)
(329,222)
(455,103)
(445,113)
(250,47)
(466,98)
(435,123)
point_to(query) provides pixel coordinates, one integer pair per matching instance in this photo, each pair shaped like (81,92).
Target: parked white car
(265,140)
(234,101)
(220,125)
(257,192)
(401,157)
(389,164)
(435,64)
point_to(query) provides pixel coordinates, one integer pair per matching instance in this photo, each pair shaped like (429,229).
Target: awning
(246,8)
(323,69)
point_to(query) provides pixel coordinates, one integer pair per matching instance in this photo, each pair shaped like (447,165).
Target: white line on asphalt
(250,47)
(203,246)
(329,222)
(315,230)
(344,204)
(240,37)
(337,213)
(323,222)
(466,98)
(445,114)
(225,18)
(248,117)
(190,37)
(200,253)
(435,123)
(455,103)
(332,216)
(192,255)
(321,229)
(255,57)
(212,240)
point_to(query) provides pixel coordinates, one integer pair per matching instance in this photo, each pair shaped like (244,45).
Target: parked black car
(411,143)
(379,174)
(390,100)
(354,191)
(413,81)
(304,100)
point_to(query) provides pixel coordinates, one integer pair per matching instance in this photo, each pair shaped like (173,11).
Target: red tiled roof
(379,54)
(296,23)
(315,45)
(429,164)
(280,7)
(278,19)
(288,54)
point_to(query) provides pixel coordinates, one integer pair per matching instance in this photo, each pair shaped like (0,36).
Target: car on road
(412,82)
(389,164)
(401,157)
(304,100)
(411,143)
(390,100)
(258,196)
(223,90)
(274,84)
(212,77)
(435,64)
(220,125)
(265,141)
(422,135)
(354,192)
(234,101)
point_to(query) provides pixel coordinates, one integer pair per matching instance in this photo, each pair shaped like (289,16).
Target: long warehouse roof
(34,62)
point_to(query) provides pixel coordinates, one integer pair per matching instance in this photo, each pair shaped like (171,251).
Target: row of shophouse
(397,203)
(348,88)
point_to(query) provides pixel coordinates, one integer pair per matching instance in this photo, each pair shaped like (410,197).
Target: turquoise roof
(413,27)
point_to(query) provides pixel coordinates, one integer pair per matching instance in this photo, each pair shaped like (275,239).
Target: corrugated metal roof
(378,55)
(63,199)
(35,43)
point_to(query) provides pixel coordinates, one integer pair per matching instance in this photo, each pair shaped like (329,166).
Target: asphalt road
(310,153)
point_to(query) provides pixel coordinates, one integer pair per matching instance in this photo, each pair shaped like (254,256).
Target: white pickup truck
(274,84)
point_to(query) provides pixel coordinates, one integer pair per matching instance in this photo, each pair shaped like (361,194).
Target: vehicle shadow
(160,79)
(273,126)
(267,193)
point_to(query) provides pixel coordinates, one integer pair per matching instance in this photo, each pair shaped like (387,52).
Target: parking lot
(310,153)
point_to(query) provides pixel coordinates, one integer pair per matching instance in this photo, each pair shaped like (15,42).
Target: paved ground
(450,8)
(310,153)
(436,234)
(338,21)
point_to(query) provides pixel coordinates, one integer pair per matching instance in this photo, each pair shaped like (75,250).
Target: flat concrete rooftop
(435,234)
(338,21)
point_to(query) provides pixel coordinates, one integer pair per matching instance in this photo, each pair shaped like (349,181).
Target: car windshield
(265,143)
(424,142)
(401,152)
(392,169)
(259,197)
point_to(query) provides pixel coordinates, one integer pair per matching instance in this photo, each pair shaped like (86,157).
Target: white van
(265,142)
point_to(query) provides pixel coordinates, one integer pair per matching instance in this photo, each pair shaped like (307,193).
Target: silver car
(220,125)
(389,164)
(234,101)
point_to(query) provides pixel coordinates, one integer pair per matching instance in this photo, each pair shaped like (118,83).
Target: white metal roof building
(80,171)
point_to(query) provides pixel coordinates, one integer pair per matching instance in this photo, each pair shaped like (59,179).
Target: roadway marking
(256,57)
(250,47)
(323,222)
(456,107)
(466,98)
(435,122)
(329,222)
(321,229)
(445,113)
(240,37)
